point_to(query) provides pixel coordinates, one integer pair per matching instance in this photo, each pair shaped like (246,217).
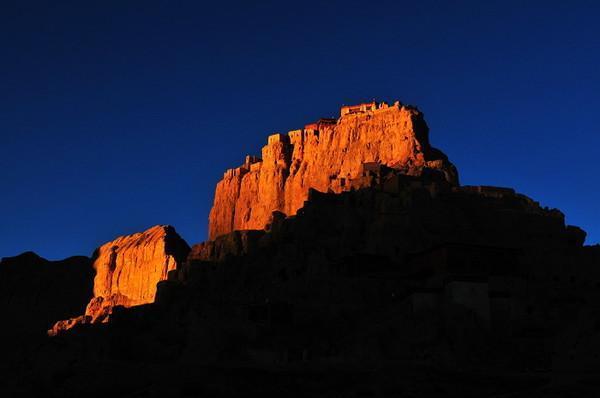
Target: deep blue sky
(116,116)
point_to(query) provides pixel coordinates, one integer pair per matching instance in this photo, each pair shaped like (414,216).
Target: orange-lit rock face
(128,268)
(127,272)
(329,158)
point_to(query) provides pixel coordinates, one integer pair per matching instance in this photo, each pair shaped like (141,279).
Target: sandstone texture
(129,267)
(127,272)
(327,156)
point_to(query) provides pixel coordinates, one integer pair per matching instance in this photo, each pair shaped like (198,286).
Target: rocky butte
(127,271)
(327,156)
(348,261)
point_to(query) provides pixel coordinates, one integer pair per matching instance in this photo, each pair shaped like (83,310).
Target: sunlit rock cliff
(327,156)
(128,268)
(127,271)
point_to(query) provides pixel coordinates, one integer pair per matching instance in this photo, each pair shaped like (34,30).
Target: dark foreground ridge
(400,284)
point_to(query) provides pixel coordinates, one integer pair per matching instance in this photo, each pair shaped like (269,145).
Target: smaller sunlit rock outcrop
(127,271)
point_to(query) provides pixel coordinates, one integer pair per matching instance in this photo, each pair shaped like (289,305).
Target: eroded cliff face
(129,267)
(127,271)
(327,156)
